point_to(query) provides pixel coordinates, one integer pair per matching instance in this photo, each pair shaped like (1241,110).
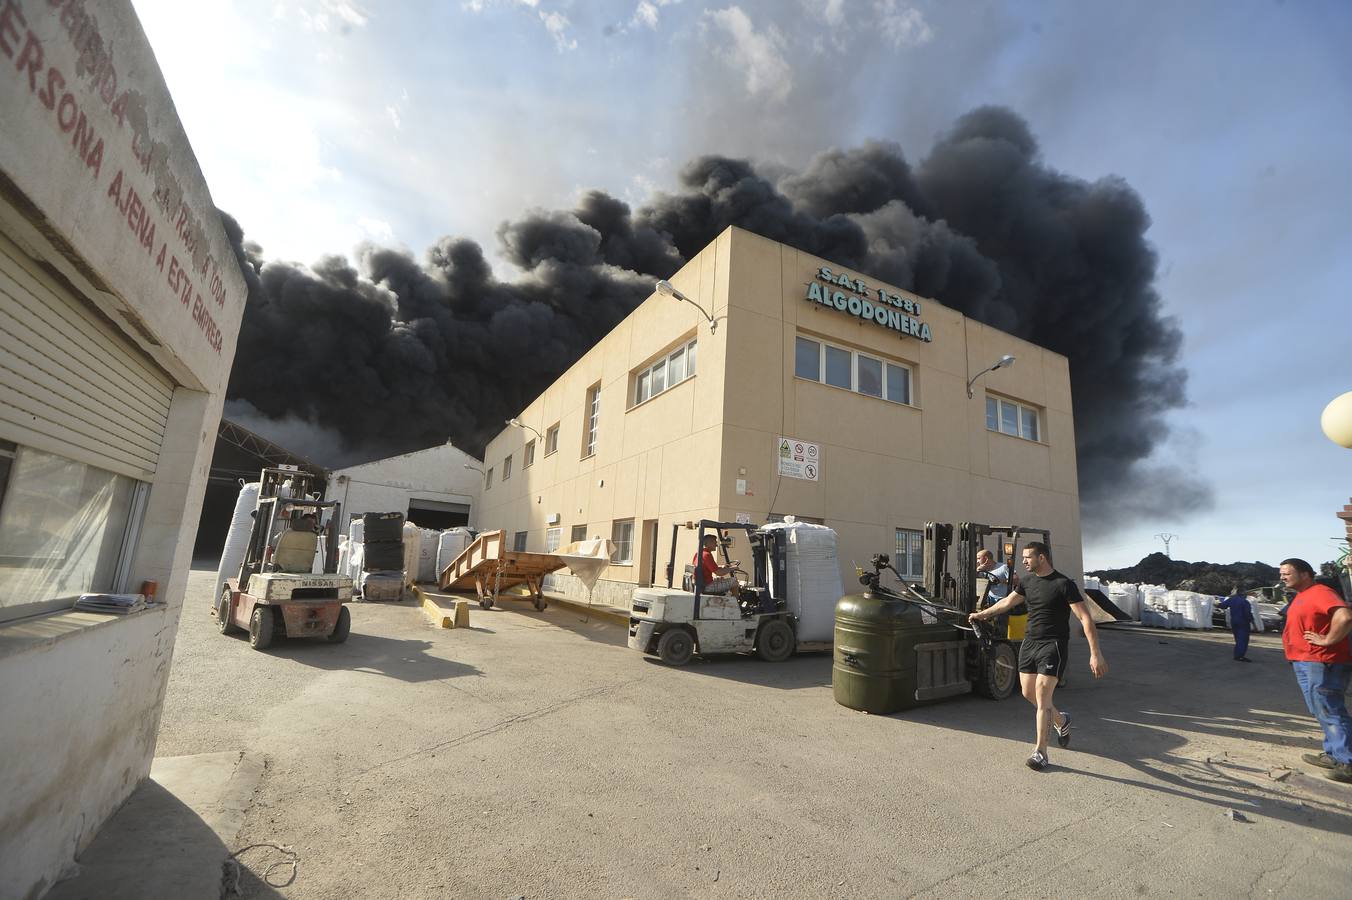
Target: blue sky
(321,124)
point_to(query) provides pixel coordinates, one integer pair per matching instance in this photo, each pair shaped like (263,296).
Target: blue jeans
(1323,685)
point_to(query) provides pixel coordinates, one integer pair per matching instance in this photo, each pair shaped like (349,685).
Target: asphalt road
(534,755)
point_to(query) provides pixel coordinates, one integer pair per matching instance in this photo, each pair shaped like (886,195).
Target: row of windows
(813,360)
(825,363)
(1008,417)
(667,372)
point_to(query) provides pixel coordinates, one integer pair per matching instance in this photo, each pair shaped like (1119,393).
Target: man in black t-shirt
(1051,598)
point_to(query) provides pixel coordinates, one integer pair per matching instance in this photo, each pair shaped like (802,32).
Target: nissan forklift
(950,589)
(277,593)
(675,624)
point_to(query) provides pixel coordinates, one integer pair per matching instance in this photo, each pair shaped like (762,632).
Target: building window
(519,541)
(670,370)
(488,479)
(528,455)
(552,539)
(909,560)
(1008,417)
(858,372)
(66,528)
(593,417)
(622,536)
(579,534)
(507,467)
(552,438)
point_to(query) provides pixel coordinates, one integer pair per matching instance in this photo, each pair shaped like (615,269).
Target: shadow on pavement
(405,660)
(157,846)
(803,670)
(1147,719)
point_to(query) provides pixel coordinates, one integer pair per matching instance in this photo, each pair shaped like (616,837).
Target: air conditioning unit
(553,519)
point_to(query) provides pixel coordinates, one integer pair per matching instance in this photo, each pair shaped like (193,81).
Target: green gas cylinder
(890,656)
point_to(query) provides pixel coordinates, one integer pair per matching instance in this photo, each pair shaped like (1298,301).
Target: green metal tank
(888,658)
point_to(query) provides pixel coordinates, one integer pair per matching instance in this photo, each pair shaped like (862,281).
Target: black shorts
(1043,657)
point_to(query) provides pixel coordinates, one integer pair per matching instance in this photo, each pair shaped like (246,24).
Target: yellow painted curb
(444,612)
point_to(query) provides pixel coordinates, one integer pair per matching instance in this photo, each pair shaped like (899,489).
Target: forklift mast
(961,586)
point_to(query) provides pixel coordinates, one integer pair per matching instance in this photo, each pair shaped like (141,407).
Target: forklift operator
(717,579)
(997,576)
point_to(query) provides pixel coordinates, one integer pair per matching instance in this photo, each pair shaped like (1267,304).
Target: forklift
(950,589)
(277,594)
(675,624)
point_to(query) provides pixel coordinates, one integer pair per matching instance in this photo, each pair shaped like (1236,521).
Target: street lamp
(1004,362)
(474,468)
(520,424)
(667,289)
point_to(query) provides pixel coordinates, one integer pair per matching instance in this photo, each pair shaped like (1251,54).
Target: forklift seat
(295,551)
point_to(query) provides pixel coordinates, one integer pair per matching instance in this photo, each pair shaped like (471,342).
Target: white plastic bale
(450,544)
(412,542)
(237,538)
(812,584)
(356,530)
(427,554)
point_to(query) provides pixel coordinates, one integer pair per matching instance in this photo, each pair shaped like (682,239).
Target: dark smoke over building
(395,355)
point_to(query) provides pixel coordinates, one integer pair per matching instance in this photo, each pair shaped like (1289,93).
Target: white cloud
(323,15)
(646,13)
(904,26)
(393,113)
(759,53)
(556,23)
(376,229)
(832,12)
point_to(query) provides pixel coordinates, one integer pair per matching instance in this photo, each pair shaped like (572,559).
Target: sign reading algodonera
(888,310)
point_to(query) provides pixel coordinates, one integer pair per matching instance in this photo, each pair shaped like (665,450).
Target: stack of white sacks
(1126,597)
(450,544)
(812,582)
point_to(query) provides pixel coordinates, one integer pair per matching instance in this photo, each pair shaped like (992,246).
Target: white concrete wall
(97,180)
(387,485)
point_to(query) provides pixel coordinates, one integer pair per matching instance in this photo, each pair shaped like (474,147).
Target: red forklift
(278,593)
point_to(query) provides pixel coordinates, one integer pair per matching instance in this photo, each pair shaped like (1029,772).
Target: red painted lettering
(30,57)
(115,189)
(11,20)
(159,260)
(56,82)
(66,112)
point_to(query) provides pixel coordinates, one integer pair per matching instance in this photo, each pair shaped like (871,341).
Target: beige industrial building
(120,303)
(786,385)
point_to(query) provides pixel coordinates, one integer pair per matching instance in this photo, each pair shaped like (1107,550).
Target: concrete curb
(441,610)
(609,613)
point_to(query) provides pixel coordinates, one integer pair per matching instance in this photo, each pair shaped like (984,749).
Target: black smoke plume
(396,355)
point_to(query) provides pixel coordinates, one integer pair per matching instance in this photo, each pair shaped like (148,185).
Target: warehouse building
(120,303)
(433,488)
(766,383)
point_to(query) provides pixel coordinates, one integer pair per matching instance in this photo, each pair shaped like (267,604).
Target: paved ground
(534,755)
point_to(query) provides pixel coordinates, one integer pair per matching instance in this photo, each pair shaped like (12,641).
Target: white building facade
(120,303)
(435,488)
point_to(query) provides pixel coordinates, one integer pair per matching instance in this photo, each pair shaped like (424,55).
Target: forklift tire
(260,628)
(540,604)
(775,642)
(341,629)
(486,602)
(999,677)
(675,647)
(223,613)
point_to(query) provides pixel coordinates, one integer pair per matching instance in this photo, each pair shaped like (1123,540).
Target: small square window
(898,384)
(622,536)
(552,439)
(488,480)
(579,533)
(507,467)
(807,359)
(838,367)
(528,455)
(519,541)
(870,374)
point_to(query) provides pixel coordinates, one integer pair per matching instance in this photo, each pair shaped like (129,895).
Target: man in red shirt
(717,579)
(1316,642)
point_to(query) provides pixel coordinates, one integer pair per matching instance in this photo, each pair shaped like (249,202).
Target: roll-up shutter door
(70,384)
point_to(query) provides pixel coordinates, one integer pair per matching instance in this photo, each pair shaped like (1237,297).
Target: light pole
(1003,363)
(1167,538)
(520,424)
(474,468)
(667,289)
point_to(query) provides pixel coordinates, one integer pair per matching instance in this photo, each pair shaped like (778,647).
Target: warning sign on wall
(798,459)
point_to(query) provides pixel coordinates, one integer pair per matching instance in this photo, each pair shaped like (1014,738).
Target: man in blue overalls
(1240,621)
